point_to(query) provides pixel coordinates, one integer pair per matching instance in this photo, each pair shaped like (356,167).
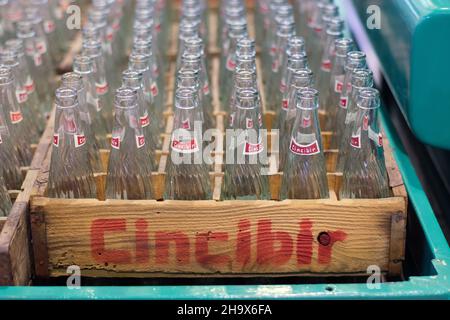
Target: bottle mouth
(185,98)
(66,98)
(362,78)
(369,99)
(355,58)
(246,98)
(308,99)
(72,80)
(82,64)
(125,98)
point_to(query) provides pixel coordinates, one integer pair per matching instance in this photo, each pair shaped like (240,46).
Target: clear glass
(331,104)
(244,177)
(354,60)
(14,117)
(365,174)
(361,79)
(5,200)
(299,80)
(71,174)
(130,169)
(305,175)
(74,81)
(187,175)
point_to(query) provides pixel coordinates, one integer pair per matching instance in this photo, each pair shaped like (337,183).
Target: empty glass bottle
(354,60)
(74,81)
(343,47)
(244,177)
(300,79)
(187,173)
(14,117)
(365,174)
(305,176)
(71,174)
(5,200)
(149,122)
(83,66)
(361,79)
(130,169)
(243,80)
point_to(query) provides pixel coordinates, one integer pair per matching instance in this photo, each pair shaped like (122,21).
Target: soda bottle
(299,79)
(365,174)
(5,200)
(187,175)
(244,177)
(74,81)
(354,60)
(243,80)
(285,29)
(302,12)
(193,62)
(305,175)
(10,14)
(9,158)
(133,80)
(333,33)
(343,47)
(230,10)
(130,161)
(14,117)
(361,79)
(40,70)
(92,48)
(30,107)
(71,174)
(84,66)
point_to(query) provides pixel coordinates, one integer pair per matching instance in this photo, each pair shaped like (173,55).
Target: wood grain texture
(71,237)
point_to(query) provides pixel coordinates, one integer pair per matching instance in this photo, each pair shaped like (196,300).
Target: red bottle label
(154,89)
(29,85)
(231,119)
(343,102)
(1,140)
(231,64)
(275,65)
(355,141)
(186,124)
(283,86)
(185,146)
(101,88)
(260,120)
(41,46)
(21,95)
(49,26)
(326,65)
(69,125)
(80,140)
(56,140)
(15,116)
(338,86)
(206,88)
(376,137)
(304,149)
(145,120)
(366,123)
(253,148)
(115,143)
(306,122)
(37,58)
(248,123)
(140,141)
(285,104)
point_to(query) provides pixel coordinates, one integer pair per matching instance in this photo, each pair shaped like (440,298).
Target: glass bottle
(149,123)
(361,79)
(74,81)
(243,80)
(244,177)
(33,118)
(300,78)
(21,133)
(365,174)
(92,48)
(9,158)
(129,170)
(187,175)
(5,200)
(84,66)
(40,70)
(333,33)
(71,174)
(305,175)
(343,47)
(354,60)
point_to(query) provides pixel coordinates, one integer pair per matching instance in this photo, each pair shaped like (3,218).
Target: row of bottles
(308,67)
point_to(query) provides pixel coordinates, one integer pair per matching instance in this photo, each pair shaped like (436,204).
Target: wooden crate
(150,238)
(15,250)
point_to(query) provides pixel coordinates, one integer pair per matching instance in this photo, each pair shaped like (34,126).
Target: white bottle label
(343,102)
(304,149)
(115,143)
(145,120)
(355,141)
(101,88)
(253,148)
(16,117)
(339,84)
(231,64)
(248,123)
(326,65)
(184,146)
(80,140)
(376,137)
(140,141)
(186,124)
(41,46)
(154,89)
(56,140)
(29,85)
(21,95)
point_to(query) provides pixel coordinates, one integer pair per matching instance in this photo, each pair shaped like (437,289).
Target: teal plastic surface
(424,287)
(412,45)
